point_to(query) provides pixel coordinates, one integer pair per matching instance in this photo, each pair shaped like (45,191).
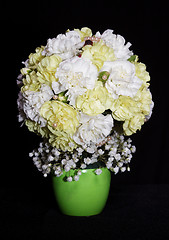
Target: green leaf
(133,58)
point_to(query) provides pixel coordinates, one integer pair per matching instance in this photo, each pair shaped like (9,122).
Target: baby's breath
(115,155)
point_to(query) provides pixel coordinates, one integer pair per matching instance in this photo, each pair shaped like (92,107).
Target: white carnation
(93,130)
(75,75)
(65,45)
(117,42)
(30,102)
(122,79)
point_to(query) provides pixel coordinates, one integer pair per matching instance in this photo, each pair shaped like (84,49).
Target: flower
(122,79)
(65,45)
(61,140)
(84,32)
(69,179)
(75,75)
(93,129)
(132,125)
(40,70)
(98,54)
(141,72)
(116,42)
(35,58)
(76,178)
(98,171)
(60,117)
(30,102)
(95,101)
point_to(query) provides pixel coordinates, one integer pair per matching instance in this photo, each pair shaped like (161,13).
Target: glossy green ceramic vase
(85,197)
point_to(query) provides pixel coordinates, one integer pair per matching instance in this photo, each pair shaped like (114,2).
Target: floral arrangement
(84,94)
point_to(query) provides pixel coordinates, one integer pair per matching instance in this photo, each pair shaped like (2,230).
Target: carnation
(30,102)
(64,45)
(93,129)
(122,80)
(117,43)
(75,75)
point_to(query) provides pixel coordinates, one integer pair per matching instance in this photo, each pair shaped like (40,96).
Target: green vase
(85,197)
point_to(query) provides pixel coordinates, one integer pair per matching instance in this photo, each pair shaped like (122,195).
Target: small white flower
(58,170)
(98,171)
(69,179)
(116,169)
(108,165)
(80,150)
(128,169)
(79,173)
(55,152)
(50,158)
(76,160)
(87,160)
(117,156)
(126,151)
(110,159)
(119,164)
(31,154)
(123,169)
(113,151)
(67,168)
(100,152)
(63,161)
(83,166)
(133,149)
(76,177)
(107,147)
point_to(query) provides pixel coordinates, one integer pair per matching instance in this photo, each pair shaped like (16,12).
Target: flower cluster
(115,154)
(80,89)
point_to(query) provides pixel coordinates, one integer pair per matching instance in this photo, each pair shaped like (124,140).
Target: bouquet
(84,94)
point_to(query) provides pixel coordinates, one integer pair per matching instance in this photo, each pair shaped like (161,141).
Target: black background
(28,24)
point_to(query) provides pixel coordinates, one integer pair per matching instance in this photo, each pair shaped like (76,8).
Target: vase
(85,197)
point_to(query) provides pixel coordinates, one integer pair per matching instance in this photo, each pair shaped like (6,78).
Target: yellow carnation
(36,128)
(41,71)
(60,117)
(124,108)
(94,101)
(62,140)
(98,53)
(35,58)
(132,111)
(144,97)
(132,125)
(141,72)
(84,32)
(47,68)
(31,82)
(49,64)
